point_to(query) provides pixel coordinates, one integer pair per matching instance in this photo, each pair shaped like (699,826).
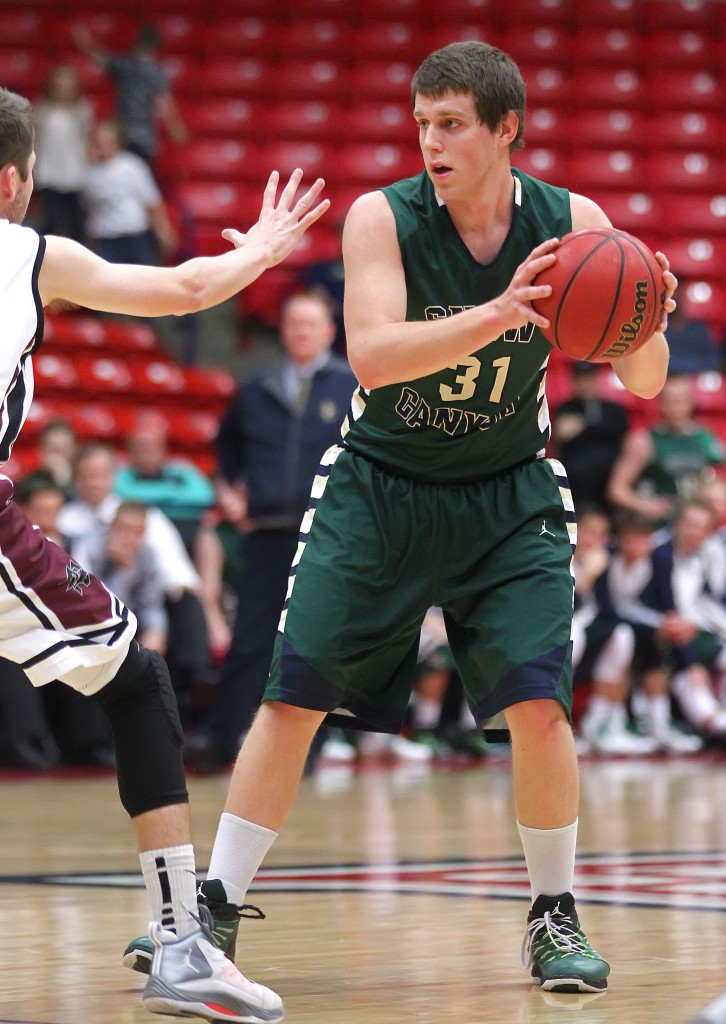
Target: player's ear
(508,128)
(9,177)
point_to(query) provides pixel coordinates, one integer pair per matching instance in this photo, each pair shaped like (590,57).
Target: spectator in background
(327,277)
(143,96)
(63,121)
(692,346)
(41,499)
(57,448)
(588,434)
(127,220)
(668,462)
(693,622)
(87,519)
(124,560)
(270,443)
(176,486)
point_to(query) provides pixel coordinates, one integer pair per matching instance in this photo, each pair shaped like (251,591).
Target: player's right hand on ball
(516,301)
(279,228)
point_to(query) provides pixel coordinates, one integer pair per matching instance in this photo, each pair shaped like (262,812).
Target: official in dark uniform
(270,443)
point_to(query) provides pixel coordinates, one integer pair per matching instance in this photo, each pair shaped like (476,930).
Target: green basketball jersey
(488,412)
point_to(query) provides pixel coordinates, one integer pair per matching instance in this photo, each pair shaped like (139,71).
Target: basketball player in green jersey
(439,493)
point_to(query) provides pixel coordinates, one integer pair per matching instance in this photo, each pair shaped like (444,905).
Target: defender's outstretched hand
(280,228)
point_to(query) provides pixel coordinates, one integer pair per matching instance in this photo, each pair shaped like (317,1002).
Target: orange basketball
(607,295)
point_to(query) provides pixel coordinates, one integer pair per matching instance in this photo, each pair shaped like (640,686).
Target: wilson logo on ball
(607,294)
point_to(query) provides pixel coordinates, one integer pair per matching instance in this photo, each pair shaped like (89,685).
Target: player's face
(458,150)
(17,207)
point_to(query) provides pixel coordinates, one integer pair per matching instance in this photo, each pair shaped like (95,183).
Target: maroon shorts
(57,621)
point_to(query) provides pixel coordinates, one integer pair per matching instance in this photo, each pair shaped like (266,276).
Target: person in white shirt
(126,218)
(63,120)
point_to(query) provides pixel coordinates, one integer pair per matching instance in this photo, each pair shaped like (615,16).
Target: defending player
(440,493)
(59,622)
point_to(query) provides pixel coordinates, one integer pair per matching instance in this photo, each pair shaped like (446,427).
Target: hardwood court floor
(392,896)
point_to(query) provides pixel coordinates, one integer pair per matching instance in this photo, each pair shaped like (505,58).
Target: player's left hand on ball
(671,283)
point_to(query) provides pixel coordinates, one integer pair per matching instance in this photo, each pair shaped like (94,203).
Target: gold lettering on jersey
(417,413)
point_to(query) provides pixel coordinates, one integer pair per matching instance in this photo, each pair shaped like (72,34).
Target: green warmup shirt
(488,411)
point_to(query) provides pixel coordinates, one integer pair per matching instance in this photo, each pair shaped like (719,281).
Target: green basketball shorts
(377,550)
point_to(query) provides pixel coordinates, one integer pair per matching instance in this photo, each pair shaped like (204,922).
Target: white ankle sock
(171,883)
(239,849)
(698,704)
(550,857)
(427,712)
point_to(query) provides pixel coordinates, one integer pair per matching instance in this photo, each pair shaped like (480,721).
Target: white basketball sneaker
(191,977)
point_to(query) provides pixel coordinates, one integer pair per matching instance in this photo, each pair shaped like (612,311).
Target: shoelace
(562,933)
(257,914)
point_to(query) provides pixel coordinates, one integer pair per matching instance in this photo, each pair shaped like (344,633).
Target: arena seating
(625,103)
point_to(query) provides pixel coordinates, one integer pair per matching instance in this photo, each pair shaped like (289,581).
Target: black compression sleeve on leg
(141,707)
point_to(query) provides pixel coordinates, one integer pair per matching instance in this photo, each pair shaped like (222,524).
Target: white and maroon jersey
(21,330)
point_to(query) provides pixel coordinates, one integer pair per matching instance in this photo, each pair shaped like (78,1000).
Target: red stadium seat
(242,36)
(311,79)
(397,10)
(547,126)
(242,8)
(339,9)
(113,30)
(678,14)
(698,215)
(226,159)
(180,33)
(537,44)
(537,12)
(221,204)
(458,32)
(381,80)
(548,164)
(221,116)
(673,129)
(549,86)
(55,372)
(315,38)
(377,165)
(680,49)
(24,71)
(709,394)
(697,258)
(158,378)
(105,373)
(612,47)
(388,40)
(612,128)
(684,172)
(704,300)
(315,159)
(608,87)
(685,90)
(606,169)
(607,13)
(263,298)
(307,119)
(247,78)
(379,122)
(637,212)
(27,29)
(482,11)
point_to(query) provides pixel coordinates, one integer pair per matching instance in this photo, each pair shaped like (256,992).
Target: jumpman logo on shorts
(544,531)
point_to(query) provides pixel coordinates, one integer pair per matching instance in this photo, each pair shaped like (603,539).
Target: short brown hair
(17,136)
(489,74)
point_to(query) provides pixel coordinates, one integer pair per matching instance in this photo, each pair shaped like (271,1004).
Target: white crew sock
(171,883)
(659,713)
(466,718)
(550,857)
(426,712)
(239,849)
(697,702)
(597,712)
